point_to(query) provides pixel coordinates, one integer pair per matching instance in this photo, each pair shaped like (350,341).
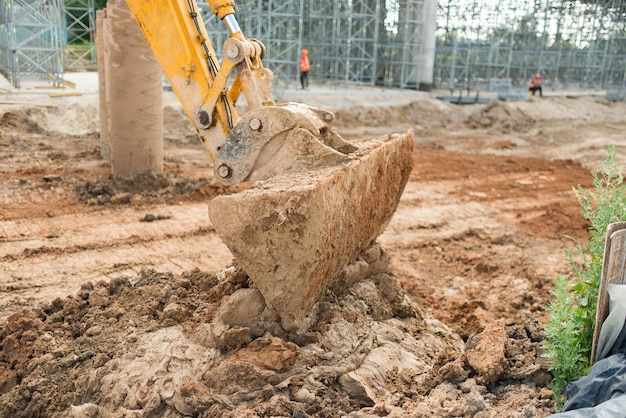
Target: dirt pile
(148,187)
(501,116)
(206,345)
(19,122)
(477,239)
(422,113)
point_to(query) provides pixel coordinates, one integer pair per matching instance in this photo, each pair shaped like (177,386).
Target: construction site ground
(478,238)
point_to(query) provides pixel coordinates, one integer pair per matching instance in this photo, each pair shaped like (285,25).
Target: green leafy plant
(573,307)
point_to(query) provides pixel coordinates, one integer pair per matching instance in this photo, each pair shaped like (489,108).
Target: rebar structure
(571,43)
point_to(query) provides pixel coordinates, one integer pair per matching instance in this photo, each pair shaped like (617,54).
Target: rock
(351,274)
(95,330)
(307,338)
(121,198)
(474,403)
(241,317)
(268,353)
(234,338)
(51,178)
(396,350)
(304,395)
(243,308)
(87,410)
(175,311)
(485,352)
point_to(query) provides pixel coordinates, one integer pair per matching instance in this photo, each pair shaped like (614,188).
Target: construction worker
(305,66)
(535,84)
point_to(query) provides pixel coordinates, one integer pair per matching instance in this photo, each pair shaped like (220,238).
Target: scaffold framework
(80,24)
(579,43)
(480,44)
(351,41)
(41,39)
(31,44)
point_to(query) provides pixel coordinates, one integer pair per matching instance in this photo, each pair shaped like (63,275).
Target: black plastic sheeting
(600,394)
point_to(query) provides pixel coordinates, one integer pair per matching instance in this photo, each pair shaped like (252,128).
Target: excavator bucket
(317,201)
(293,233)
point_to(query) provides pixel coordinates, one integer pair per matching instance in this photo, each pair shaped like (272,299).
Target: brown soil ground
(89,262)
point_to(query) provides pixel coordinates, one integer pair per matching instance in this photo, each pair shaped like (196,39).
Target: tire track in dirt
(435,221)
(100,227)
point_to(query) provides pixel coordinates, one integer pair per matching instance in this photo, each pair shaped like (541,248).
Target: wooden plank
(65,94)
(616,127)
(65,82)
(27,104)
(69,84)
(613,272)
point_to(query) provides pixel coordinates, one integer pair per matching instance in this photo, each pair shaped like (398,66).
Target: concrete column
(134,95)
(430,42)
(104,130)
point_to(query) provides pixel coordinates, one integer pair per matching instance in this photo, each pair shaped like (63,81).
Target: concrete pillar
(104,130)
(408,73)
(134,95)
(427,63)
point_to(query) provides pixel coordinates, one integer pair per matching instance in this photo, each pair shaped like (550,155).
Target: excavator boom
(316,201)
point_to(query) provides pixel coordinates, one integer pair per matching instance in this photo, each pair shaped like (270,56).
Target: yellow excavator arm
(322,200)
(241,148)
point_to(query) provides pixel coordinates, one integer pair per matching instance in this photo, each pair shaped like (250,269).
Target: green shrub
(573,308)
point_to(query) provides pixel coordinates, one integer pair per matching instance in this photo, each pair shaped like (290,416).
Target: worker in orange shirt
(305,66)
(535,84)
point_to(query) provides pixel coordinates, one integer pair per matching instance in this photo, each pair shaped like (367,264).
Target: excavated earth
(118,299)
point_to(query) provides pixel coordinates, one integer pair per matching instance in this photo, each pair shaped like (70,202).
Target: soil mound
(19,122)
(501,116)
(148,187)
(176,124)
(425,113)
(206,345)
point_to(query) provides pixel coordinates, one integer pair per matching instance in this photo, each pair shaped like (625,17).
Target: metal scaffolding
(479,43)
(31,40)
(80,24)
(352,41)
(571,43)
(41,39)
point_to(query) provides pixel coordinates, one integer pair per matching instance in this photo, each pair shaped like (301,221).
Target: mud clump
(205,345)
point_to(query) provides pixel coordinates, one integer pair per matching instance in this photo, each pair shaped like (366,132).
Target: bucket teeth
(294,233)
